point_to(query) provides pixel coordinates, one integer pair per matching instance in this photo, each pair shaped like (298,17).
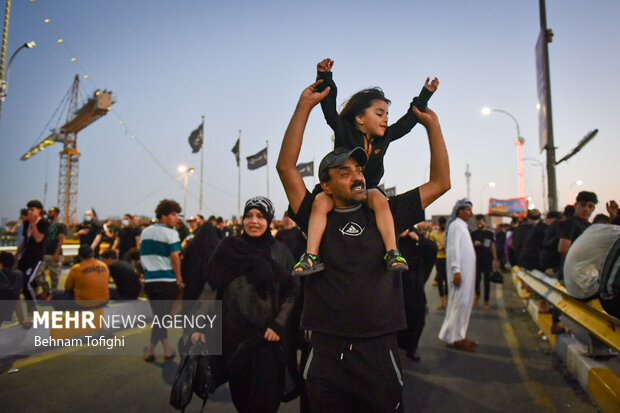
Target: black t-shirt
(484,254)
(356,296)
(572,228)
(33,250)
(519,235)
(108,234)
(94,229)
(183,232)
(126,279)
(51,239)
(293,239)
(532,248)
(127,239)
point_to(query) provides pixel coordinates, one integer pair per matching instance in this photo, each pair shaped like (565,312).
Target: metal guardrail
(591,317)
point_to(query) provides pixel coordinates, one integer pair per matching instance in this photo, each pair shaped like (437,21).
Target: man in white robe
(461,272)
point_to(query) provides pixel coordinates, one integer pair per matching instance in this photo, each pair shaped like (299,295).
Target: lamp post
(186,173)
(519,143)
(571,193)
(487,185)
(542,172)
(4,79)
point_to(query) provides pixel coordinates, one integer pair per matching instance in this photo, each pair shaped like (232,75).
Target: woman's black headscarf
(245,255)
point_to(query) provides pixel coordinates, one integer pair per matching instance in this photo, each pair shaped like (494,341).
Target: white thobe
(460,257)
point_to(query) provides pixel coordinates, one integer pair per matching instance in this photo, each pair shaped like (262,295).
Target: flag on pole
(235,150)
(306,169)
(257,160)
(390,192)
(195,139)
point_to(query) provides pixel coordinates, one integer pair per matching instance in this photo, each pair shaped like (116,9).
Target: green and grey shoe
(308,264)
(394,261)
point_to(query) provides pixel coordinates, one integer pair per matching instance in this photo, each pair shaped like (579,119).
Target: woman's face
(254,223)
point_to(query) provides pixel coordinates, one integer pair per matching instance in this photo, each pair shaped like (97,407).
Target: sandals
(309,264)
(394,261)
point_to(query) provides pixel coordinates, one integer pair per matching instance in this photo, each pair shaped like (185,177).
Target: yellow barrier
(600,382)
(591,317)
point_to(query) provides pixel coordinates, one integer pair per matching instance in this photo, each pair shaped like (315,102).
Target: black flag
(195,139)
(390,192)
(258,160)
(235,150)
(306,169)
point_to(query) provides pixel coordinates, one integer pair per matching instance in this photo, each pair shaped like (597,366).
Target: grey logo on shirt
(352,229)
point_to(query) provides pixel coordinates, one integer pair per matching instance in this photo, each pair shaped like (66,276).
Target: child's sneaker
(309,264)
(394,261)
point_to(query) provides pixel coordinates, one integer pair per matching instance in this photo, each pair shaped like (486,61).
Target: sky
(243,64)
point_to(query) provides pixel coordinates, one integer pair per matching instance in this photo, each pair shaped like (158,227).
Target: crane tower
(77,119)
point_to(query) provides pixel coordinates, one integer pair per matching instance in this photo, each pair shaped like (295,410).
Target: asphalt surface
(514,370)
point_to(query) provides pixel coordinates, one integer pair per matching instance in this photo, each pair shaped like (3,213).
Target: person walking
(439,238)
(30,253)
(159,252)
(461,268)
(52,254)
(486,259)
(421,254)
(251,274)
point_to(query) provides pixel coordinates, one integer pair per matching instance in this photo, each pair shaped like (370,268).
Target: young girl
(362,122)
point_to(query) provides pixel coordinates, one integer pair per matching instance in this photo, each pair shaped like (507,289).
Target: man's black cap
(339,155)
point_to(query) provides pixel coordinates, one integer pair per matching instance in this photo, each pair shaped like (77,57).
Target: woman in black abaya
(251,274)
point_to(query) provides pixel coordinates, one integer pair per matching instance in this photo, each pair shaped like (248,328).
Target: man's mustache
(358,182)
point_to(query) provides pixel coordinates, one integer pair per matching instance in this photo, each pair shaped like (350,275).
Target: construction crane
(77,119)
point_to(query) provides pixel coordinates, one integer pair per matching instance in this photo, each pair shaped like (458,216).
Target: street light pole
(547,37)
(542,172)
(4,76)
(487,185)
(186,173)
(5,37)
(519,143)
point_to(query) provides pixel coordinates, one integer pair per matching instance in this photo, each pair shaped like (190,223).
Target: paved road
(513,371)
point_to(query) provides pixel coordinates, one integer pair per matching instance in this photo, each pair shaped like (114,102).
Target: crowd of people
(353,298)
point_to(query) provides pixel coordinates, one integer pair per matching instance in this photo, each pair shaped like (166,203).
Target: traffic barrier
(595,335)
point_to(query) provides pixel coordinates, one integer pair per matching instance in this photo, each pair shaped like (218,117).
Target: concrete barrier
(598,380)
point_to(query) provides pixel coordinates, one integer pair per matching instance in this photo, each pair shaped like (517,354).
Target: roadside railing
(603,328)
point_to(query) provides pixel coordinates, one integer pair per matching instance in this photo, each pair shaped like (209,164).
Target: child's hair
(359,102)
(7,260)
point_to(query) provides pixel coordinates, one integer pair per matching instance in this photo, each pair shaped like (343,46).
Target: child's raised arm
(404,125)
(325,65)
(328,105)
(432,86)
